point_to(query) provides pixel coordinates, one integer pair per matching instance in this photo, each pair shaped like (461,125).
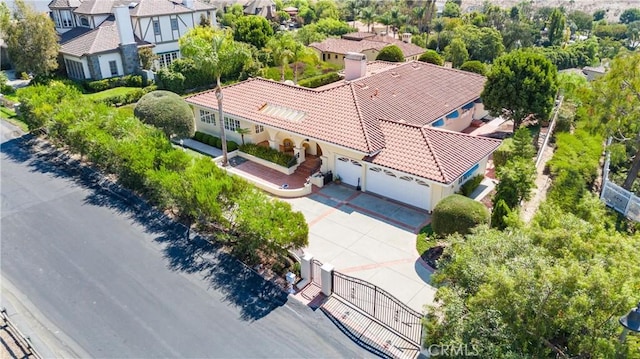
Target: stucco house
(264,8)
(100,38)
(391,128)
(334,50)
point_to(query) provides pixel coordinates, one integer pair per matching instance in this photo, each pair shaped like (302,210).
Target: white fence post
(306,263)
(327,278)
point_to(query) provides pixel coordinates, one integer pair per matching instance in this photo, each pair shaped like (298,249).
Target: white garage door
(399,187)
(349,170)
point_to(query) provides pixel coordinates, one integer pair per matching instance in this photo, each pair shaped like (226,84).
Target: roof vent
(362,85)
(132,5)
(394,74)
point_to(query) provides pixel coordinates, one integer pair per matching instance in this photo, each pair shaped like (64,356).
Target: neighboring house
(100,38)
(593,73)
(393,131)
(334,50)
(264,8)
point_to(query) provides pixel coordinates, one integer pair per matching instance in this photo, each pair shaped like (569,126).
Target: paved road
(116,282)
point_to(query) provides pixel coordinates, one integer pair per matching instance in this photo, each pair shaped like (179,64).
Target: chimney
(355,66)
(123,22)
(406,37)
(188,3)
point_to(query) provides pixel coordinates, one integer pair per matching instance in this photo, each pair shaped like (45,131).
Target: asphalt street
(114,281)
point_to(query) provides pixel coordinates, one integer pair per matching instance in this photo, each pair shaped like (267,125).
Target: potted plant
(337,179)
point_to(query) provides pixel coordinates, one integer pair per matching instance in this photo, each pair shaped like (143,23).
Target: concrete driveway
(368,237)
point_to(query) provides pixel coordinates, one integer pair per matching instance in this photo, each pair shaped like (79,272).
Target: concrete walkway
(368,237)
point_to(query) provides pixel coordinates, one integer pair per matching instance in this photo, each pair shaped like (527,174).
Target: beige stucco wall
(458,124)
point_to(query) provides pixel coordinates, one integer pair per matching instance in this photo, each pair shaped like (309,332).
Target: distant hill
(613,7)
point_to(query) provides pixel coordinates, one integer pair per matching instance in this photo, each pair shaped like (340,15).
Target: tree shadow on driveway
(240,286)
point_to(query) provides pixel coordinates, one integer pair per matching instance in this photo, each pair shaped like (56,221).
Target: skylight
(282,112)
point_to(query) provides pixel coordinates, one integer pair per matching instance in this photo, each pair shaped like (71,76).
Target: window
(114,68)
(259,128)
(207,117)
(174,24)
(156,27)
(336,56)
(84,21)
(469,173)
(75,70)
(231,124)
(165,59)
(56,18)
(66,19)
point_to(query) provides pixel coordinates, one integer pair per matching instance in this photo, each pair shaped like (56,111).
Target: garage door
(349,170)
(398,186)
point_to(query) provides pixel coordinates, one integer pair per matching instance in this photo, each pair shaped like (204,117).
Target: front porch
(268,179)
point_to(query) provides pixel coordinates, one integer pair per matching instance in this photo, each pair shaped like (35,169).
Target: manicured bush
(217,142)
(502,154)
(212,141)
(231,146)
(468,187)
(391,53)
(170,80)
(198,136)
(166,111)
(432,57)
(474,66)
(105,84)
(458,214)
(268,154)
(321,80)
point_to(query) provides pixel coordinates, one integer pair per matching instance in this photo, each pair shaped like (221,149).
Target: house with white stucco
(101,38)
(393,129)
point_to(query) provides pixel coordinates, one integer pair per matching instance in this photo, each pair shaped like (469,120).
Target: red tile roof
(383,115)
(143,8)
(361,41)
(435,154)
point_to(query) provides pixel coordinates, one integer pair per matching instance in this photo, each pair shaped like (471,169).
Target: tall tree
(519,84)
(616,101)
(368,16)
(438,27)
(218,53)
(456,52)
(556,27)
(280,47)
(31,38)
(253,29)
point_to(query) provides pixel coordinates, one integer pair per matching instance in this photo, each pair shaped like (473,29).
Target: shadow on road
(254,296)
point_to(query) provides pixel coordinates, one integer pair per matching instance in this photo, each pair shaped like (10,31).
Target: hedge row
(269,154)
(468,187)
(214,141)
(125,99)
(105,84)
(317,81)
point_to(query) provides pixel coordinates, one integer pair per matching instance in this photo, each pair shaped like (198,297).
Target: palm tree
(215,51)
(438,26)
(280,47)
(368,15)
(242,132)
(299,51)
(418,14)
(352,8)
(396,20)
(385,19)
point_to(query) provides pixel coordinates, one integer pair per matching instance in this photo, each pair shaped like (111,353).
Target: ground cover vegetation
(142,159)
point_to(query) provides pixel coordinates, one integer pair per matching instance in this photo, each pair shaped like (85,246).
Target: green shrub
(391,53)
(502,154)
(269,154)
(198,136)
(212,141)
(166,111)
(468,187)
(458,214)
(474,66)
(217,142)
(499,214)
(231,146)
(170,80)
(105,84)
(321,80)
(432,57)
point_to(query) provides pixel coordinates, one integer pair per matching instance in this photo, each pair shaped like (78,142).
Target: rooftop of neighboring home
(137,8)
(383,115)
(361,41)
(81,41)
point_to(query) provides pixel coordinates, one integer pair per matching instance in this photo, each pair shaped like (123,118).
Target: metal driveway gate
(381,305)
(316,273)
